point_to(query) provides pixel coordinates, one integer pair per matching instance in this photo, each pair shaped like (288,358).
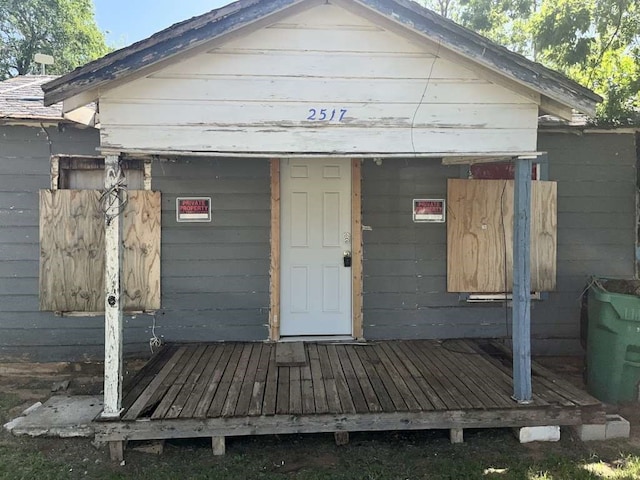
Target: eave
(558,94)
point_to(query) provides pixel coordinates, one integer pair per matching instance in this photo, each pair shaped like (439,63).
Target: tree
(65,29)
(595,42)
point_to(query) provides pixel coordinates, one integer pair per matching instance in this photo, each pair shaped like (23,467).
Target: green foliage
(65,29)
(595,42)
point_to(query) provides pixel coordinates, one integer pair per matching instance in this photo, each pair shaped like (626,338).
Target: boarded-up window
(72,251)
(480,236)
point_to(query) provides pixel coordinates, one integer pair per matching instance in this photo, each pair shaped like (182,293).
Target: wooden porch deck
(233,389)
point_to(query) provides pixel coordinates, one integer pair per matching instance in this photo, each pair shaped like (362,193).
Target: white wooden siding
(256,94)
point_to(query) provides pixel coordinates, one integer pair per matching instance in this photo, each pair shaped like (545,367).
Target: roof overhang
(558,95)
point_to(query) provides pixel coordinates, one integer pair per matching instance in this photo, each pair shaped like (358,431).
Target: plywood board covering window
(480,236)
(72,251)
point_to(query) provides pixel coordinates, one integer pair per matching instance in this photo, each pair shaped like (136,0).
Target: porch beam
(522,281)
(113,294)
(274,268)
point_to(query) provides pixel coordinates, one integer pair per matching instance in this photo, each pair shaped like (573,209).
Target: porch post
(112,295)
(522,281)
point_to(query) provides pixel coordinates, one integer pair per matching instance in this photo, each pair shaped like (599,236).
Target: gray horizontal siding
(405,263)
(26,334)
(215,276)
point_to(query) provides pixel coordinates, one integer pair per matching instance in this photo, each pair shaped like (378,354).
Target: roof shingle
(22,98)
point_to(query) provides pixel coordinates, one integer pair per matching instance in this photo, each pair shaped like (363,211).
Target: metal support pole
(112,296)
(522,281)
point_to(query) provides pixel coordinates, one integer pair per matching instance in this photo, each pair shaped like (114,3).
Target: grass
(486,454)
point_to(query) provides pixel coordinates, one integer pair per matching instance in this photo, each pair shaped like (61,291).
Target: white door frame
(356,251)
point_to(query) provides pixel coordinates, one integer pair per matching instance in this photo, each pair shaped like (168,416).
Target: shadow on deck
(233,389)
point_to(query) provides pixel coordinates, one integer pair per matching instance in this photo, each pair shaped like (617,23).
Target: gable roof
(21,99)
(205,28)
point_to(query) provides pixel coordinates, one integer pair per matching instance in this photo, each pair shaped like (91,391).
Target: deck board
(400,385)
(205,381)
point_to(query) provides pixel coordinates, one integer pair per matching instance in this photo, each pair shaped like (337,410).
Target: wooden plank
(282,396)
(141,254)
(248,381)
(371,388)
(555,382)
(285,424)
(480,235)
(435,378)
(376,371)
(318,383)
(290,354)
(191,383)
(206,381)
(72,251)
(281,139)
(274,268)
(235,386)
(356,248)
(72,262)
(391,361)
(260,381)
(295,391)
(180,381)
(406,358)
(271,385)
(308,397)
(141,402)
(112,287)
(393,371)
(134,386)
(225,367)
(55,172)
(501,373)
(167,384)
(456,376)
(522,286)
(482,378)
(344,381)
(147,174)
(116,451)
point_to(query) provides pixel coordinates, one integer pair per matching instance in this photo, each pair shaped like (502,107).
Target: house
(281,170)
(30,134)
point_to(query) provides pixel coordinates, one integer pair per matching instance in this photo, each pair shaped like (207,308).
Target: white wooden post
(522,281)
(112,297)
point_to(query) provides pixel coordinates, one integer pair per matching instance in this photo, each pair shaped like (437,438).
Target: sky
(127,21)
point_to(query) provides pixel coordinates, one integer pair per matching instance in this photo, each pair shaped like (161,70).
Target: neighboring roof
(21,98)
(199,30)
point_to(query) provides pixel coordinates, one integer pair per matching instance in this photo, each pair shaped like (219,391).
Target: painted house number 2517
(326,114)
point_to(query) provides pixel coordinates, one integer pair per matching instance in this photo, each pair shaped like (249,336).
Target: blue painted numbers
(326,115)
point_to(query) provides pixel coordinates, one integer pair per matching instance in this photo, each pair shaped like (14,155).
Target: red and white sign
(193,209)
(430,210)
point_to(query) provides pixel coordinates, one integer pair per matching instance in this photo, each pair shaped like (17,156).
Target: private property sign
(193,209)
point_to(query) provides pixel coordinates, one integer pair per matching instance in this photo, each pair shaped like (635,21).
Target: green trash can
(613,344)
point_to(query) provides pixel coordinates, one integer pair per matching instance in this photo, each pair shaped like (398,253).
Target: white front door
(315,292)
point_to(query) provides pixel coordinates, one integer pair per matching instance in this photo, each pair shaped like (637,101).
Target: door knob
(346,258)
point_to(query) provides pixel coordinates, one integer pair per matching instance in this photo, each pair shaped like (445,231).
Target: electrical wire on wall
(424,93)
(49,142)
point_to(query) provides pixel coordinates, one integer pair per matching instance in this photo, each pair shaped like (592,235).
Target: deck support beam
(522,281)
(218,445)
(113,294)
(341,438)
(456,435)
